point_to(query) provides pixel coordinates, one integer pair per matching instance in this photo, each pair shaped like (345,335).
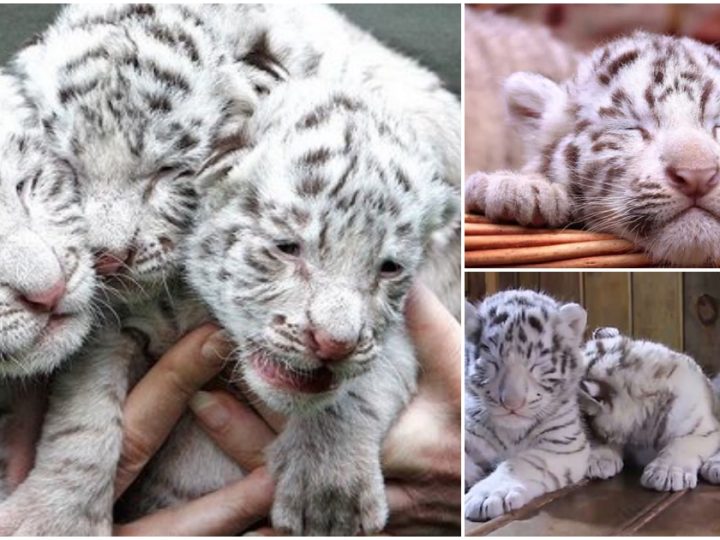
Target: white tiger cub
(46,274)
(523,430)
(627,146)
(305,253)
(646,400)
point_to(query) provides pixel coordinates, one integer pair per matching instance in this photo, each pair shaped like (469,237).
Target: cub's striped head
(130,96)
(46,273)
(528,356)
(634,135)
(624,392)
(311,242)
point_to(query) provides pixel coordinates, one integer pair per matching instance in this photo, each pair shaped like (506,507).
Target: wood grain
(657,311)
(606,297)
(701,325)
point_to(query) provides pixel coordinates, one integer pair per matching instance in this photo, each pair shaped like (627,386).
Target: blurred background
(429,33)
(678,309)
(587,25)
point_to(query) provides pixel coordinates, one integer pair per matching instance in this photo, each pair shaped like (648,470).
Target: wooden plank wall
(681,310)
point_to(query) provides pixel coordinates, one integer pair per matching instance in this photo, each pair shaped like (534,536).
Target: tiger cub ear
(587,398)
(530,96)
(594,395)
(605,332)
(574,318)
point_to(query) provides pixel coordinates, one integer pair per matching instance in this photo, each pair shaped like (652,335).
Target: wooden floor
(620,506)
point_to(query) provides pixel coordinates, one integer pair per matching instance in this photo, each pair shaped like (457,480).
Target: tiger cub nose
(326,348)
(693,182)
(47,299)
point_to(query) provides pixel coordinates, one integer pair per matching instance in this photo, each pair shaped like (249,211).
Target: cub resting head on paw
(628,146)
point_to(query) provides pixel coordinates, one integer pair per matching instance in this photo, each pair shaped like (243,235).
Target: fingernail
(217,347)
(209,410)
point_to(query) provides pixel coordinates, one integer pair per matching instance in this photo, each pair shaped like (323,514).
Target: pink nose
(512,403)
(107,262)
(48,299)
(693,182)
(328,349)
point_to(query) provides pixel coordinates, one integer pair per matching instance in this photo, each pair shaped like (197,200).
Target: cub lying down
(628,146)
(523,431)
(654,404)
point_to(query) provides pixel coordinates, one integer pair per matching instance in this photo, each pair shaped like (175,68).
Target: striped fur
(133,97)
(43,238)
(523,431)
(359,193)
(648,401)
(612,148)
(322,160)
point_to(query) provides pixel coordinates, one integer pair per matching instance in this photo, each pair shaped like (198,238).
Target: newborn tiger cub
(304,247)
(629,146)
(46,274)
(523,431)
(651,403)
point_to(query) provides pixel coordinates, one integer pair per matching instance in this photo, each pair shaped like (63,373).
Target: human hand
(421,454)
(151,411)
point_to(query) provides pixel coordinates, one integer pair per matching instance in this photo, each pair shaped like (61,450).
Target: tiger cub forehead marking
(648,78)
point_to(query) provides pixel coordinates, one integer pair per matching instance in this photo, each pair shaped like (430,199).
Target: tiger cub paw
(489,499)
(663,475)
(528,199)
(710,470)
(604,463)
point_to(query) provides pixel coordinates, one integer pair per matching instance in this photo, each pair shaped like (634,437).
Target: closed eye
(288,248)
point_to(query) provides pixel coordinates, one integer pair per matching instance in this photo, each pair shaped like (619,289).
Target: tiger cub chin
(654,404)
(524,434)
(628,145)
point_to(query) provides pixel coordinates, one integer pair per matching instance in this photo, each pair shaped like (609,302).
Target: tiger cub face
(46,272)
(634,136)
(527,348)
(314,239)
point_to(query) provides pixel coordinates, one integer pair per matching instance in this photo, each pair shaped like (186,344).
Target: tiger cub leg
(526,198)
(676,467)
(69,492)
(527,475)
(605,461)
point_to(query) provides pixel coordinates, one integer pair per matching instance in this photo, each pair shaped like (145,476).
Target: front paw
(525,198)
(488,499)
(604,463)
(663,475)
(314,502)
(38,513)
(710,470)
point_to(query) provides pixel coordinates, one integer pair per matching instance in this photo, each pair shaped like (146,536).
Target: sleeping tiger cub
(524,435)
(628,146)
(646,400)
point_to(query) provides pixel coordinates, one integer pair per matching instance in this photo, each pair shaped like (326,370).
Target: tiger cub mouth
(280,375)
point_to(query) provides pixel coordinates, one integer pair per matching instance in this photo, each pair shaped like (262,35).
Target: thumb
(437,338)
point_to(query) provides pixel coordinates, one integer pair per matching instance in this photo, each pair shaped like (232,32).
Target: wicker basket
(489,245)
